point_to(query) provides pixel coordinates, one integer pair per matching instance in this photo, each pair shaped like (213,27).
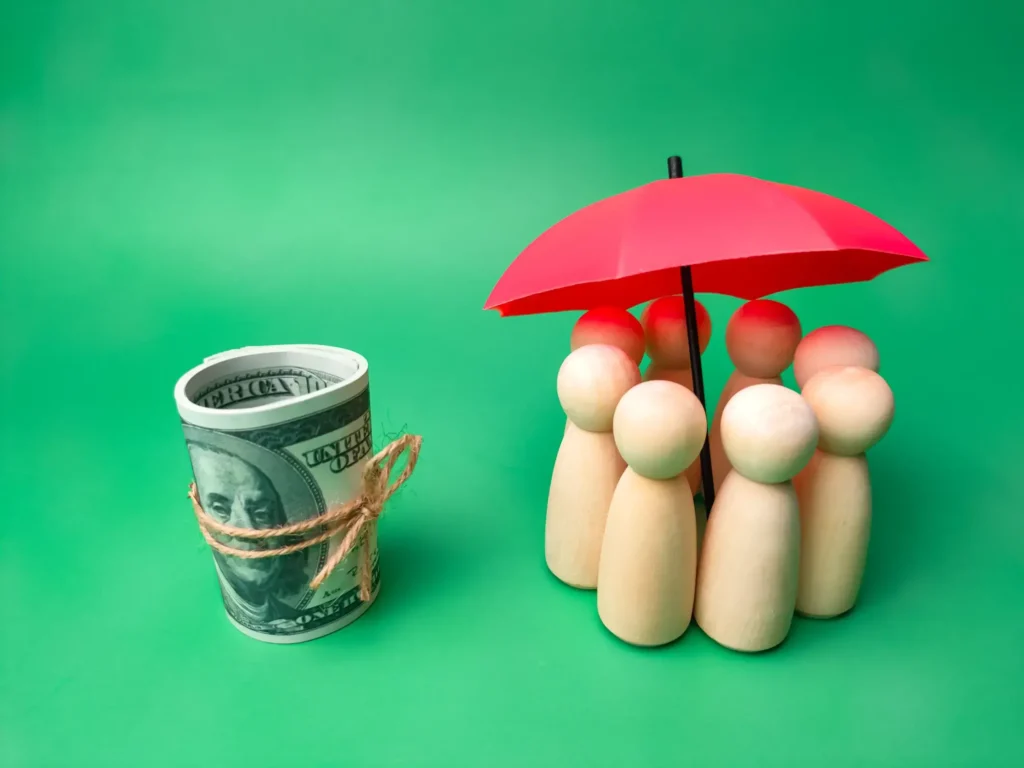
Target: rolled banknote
(247,350)
(277,435)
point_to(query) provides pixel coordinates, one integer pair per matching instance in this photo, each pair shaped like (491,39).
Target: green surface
(179,178)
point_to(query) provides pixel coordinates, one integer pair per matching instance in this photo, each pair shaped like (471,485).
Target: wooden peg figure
(664,328)
(591,381)
(748,573)
(761,339)
(833,345)
(854,407)
(610,325)
(648,564)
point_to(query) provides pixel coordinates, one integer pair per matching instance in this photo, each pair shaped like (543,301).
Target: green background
(180,178)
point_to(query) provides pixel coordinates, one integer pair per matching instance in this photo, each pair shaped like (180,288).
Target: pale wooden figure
(609,325)
(591,382)
(761,339)
(854,407)
(833,345)
(648,562)
(664,327)
(749,566)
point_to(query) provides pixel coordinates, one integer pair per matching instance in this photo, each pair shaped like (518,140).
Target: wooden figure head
(659,428)
(610,325)
(854,407)
(762,337)
(664,326)
(591,381)
(833,345)
(769,433)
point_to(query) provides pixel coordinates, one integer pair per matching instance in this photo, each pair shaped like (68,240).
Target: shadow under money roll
(277,436)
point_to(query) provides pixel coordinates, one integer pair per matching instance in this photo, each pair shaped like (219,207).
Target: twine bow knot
(353,518)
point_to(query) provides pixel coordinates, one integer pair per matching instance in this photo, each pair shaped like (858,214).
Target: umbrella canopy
(741,236)
(717,233)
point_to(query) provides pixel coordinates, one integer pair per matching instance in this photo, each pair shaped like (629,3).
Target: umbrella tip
(675,167)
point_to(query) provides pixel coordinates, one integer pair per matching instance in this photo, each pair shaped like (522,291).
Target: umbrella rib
(808,216)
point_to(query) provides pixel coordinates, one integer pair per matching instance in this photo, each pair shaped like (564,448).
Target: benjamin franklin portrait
(234,491)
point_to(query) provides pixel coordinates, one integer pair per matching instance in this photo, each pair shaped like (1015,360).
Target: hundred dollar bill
(278,434)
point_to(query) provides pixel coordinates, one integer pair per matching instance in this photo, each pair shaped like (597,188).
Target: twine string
(354,518)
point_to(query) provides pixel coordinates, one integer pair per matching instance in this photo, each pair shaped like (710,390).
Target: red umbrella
(717,233)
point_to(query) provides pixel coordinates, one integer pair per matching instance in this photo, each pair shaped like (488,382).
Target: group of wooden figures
(789,529)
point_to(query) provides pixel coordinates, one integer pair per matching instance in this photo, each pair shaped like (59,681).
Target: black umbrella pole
(693,337)
(675,171)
